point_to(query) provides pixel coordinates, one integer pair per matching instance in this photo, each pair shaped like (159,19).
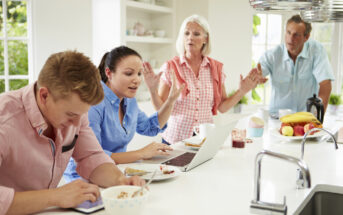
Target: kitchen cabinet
(114,24)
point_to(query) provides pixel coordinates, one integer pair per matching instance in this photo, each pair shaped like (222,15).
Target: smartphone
(88,207)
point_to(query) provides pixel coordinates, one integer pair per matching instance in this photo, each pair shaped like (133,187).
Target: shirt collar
(204,62)
(304,52)
(110,95)
(32,110)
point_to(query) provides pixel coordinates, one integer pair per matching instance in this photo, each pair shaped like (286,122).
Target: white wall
(59,25)
(231,25)
(67,24)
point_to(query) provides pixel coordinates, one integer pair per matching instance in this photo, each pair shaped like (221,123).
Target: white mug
(203,130)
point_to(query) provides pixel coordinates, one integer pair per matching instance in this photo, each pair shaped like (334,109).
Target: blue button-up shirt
(292,84)
(112,136)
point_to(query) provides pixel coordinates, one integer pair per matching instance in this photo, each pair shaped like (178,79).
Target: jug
(316,107)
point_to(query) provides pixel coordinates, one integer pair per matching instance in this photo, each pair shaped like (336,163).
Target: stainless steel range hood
(310,10)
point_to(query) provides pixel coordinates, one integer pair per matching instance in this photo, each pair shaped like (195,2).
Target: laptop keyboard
(181,160)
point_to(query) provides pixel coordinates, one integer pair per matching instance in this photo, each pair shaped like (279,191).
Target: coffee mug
(203,130)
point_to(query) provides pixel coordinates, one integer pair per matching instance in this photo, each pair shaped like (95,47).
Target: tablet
(88,207)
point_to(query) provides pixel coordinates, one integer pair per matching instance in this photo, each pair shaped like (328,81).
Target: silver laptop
(187,160)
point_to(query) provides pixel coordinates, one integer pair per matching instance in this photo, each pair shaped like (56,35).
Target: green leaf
(256,20)
(255,96)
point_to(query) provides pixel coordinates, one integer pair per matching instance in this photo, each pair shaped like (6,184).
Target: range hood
(310,10)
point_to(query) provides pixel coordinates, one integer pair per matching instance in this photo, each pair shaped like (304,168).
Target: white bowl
(132,206)
(160,33)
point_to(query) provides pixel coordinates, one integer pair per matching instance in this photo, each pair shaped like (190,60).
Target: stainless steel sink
(322,200)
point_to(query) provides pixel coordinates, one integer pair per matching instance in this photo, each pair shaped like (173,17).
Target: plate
(275,132)
(151,168)
(193,140)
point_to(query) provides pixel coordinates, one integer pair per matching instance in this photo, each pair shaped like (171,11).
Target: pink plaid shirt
(31,161)
(196,107)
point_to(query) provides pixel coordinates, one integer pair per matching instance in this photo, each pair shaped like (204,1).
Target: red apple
(298,130)
(308,127)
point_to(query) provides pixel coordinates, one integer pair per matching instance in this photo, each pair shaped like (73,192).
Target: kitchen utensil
(144,186)
(315,106)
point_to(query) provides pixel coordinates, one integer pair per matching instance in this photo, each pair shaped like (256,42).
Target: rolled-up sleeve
(6,193)
(265,64)
(6,198)
(322,69)
(88,153)
(148,126)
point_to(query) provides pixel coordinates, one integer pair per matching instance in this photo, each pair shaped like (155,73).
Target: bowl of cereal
(119,200)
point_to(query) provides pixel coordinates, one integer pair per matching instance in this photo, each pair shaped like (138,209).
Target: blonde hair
(180,47)
(71,72)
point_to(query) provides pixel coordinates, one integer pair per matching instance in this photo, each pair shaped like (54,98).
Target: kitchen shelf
(152,8)
(148,39)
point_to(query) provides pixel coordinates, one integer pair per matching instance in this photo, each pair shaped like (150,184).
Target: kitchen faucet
(300,180)
(260,207)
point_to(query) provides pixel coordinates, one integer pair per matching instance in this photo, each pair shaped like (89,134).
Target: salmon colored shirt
(31,161)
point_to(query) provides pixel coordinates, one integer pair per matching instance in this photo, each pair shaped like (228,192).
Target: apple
(287,130)
(283,125)
(299,130)
(308,127)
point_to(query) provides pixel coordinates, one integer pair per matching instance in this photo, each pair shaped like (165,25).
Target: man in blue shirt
(298,69)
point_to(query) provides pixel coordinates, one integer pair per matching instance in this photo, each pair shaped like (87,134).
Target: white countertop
(225,184)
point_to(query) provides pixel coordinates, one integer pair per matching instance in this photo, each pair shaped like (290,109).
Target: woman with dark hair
(117,118)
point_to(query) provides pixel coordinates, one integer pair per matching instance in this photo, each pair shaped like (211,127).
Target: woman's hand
(175,88)
(151,79)
(254,78)
(154,149)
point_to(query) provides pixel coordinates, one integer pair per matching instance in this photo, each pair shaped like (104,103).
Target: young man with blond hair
(44,124)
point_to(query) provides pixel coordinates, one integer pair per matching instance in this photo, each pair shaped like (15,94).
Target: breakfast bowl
(119,200)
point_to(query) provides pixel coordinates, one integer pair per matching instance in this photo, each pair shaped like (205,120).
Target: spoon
(144,186)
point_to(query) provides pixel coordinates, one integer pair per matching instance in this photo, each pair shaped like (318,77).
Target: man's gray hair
(180,46)
(297,19)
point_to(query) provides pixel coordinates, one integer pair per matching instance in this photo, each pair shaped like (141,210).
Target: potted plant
(238,107)
(334,102)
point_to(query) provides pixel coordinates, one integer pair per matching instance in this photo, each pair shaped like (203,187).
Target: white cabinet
(113,25)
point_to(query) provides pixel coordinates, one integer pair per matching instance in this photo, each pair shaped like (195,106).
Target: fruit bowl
(276,133)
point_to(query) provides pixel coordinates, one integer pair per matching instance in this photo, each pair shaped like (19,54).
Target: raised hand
(154,149)
(74,193)
(175,88)
(151,79)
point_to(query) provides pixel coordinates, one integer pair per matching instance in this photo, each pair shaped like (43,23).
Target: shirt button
(112,102)
(123,123)
(197,88)
(198,99)
(196,109)
(196,120)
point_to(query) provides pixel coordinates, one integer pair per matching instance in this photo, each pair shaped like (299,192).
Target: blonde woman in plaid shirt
(204,93)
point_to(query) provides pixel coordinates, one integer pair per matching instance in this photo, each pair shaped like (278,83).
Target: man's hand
(74,193)
(134,180)
(154,149)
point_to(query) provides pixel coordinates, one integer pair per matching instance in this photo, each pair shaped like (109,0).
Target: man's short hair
(71,72)
(297,19)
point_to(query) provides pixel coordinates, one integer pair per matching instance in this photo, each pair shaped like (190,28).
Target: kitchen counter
(225,184)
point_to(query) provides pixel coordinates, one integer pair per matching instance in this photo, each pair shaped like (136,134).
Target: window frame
(28,38)
(336,51)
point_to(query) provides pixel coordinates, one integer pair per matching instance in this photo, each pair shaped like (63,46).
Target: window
(15,44)
(267,33)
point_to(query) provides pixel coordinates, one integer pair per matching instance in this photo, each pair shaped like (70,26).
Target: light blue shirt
(112,136)
(292,84)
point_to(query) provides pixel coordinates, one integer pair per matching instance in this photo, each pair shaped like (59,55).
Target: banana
(302,117)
